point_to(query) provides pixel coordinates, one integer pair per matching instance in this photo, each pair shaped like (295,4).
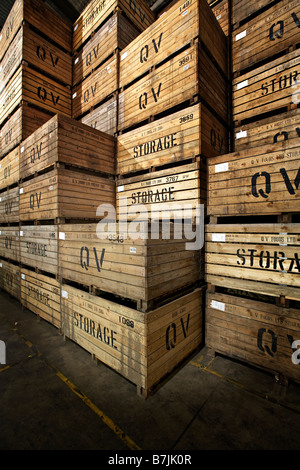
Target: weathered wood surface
(39,247)
(9,206)
(10,278)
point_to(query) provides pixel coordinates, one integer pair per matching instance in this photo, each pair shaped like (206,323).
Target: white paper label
(51,188)
(0,199)
(219,17)
(0,265)
(241,135)
(120,189)
(74,95)
(186,67)
(218,237)
(132,249)
(185,12)
(62,236)
(242,84)
(123,56)
(218,305)
(221,167)
(21,190)
(22,149)
(241,35)
(23,276)
(75,27)
(76,61)
(21,233)
(64,294)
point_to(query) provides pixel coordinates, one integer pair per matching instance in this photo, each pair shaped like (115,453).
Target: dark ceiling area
(71,9)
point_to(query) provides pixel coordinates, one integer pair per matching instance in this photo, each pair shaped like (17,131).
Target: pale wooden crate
(173,193)
(187,77)
(41,294)
(97,88)
(10,243)
(261,39)
(96,14)
(34,50)
(64,193)
(176,28)
(141,268)
(260,258)
(10,278)
(242,11)
(9,206)
(115,34)
(145,348)
(41,17)
(104,117)
(222,12)
(272,87)
(23,122)
(67,141)
(28,85)
(259,333)
(255,181)
(39,247)
(282,127)
(183,135)
(10,168)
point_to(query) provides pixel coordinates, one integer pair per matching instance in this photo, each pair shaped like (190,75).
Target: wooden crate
(242,11)
(96,13)
(41,295)
(180,136)
(9,206)
(42,17)
(115,34)
(258,181)
(64,193)
(9,169)
(282,127)
(272,87)
(19,126)
(189,77)
(256,332)
(10,278)
(10,243)
(178,27)
(28,85)
(64,140)
(165,194)
(267,35)
(97,88)
(222,12)
(34,50)
(143,270)
(104,117)
(261,258)
(39,247)
(143,348)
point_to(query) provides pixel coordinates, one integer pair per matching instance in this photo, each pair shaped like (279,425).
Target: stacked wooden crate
(252,241)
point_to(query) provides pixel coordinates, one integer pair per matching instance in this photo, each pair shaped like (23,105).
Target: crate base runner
(144,348)
(256,332)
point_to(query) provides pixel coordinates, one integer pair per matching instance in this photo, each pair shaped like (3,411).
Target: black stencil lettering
(295,18)
(285,135)
(99,262)
(278,34)
(288,181)
(255,177)
(266,348)
(170,343)
(85,263)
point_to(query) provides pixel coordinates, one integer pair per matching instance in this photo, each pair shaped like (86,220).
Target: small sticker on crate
(241,134)
(21,190)
(74,95)
(217,305)
(21,233)
(76,60)
(123,56)
(62,236)
(23,277)
(132,249)
(64,294)
(0,265)
(185,12)
(120,189)
(22,149)
(241,35)
(218,237)
(75,27)
(219,17)
(221,167)
(242,84)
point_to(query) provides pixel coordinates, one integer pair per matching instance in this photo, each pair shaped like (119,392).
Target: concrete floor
(54,397)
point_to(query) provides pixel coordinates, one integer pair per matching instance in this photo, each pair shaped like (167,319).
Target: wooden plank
(180,136)
(39,15)
(256,332)
(270,87)
(282,127)
(96,13)
(171,193)
(19,126)
(64,140)
(258,181)
(41,295)
(96,88)
(265,253)
(144,348)
(187,76)
(10,243)
(271,33)
(9,206)
(104,117)
(116,33)
(129,265)
(39,247)
(241,10)
(222,13)
(9,168)
(173,30)
(10,278)
(65,193)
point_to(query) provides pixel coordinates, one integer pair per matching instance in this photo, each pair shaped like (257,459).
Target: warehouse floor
(55,397)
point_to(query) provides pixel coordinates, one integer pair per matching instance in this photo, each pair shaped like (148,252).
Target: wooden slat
(242,10)
(39,247)
(9,168)
(222,13)
(10,278)
(9,206)
(104,117)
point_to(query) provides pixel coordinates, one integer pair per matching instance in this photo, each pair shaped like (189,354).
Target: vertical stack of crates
(253,238)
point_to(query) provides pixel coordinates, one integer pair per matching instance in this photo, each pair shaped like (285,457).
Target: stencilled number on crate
(277,29)
(35,200)
(126,321)
(186,5)
(277,84)
(87,95)
(116,238)
(172,332)
(146,50)
(265,177)
(143,99)
(44,96)
(42,54)
(85,258)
